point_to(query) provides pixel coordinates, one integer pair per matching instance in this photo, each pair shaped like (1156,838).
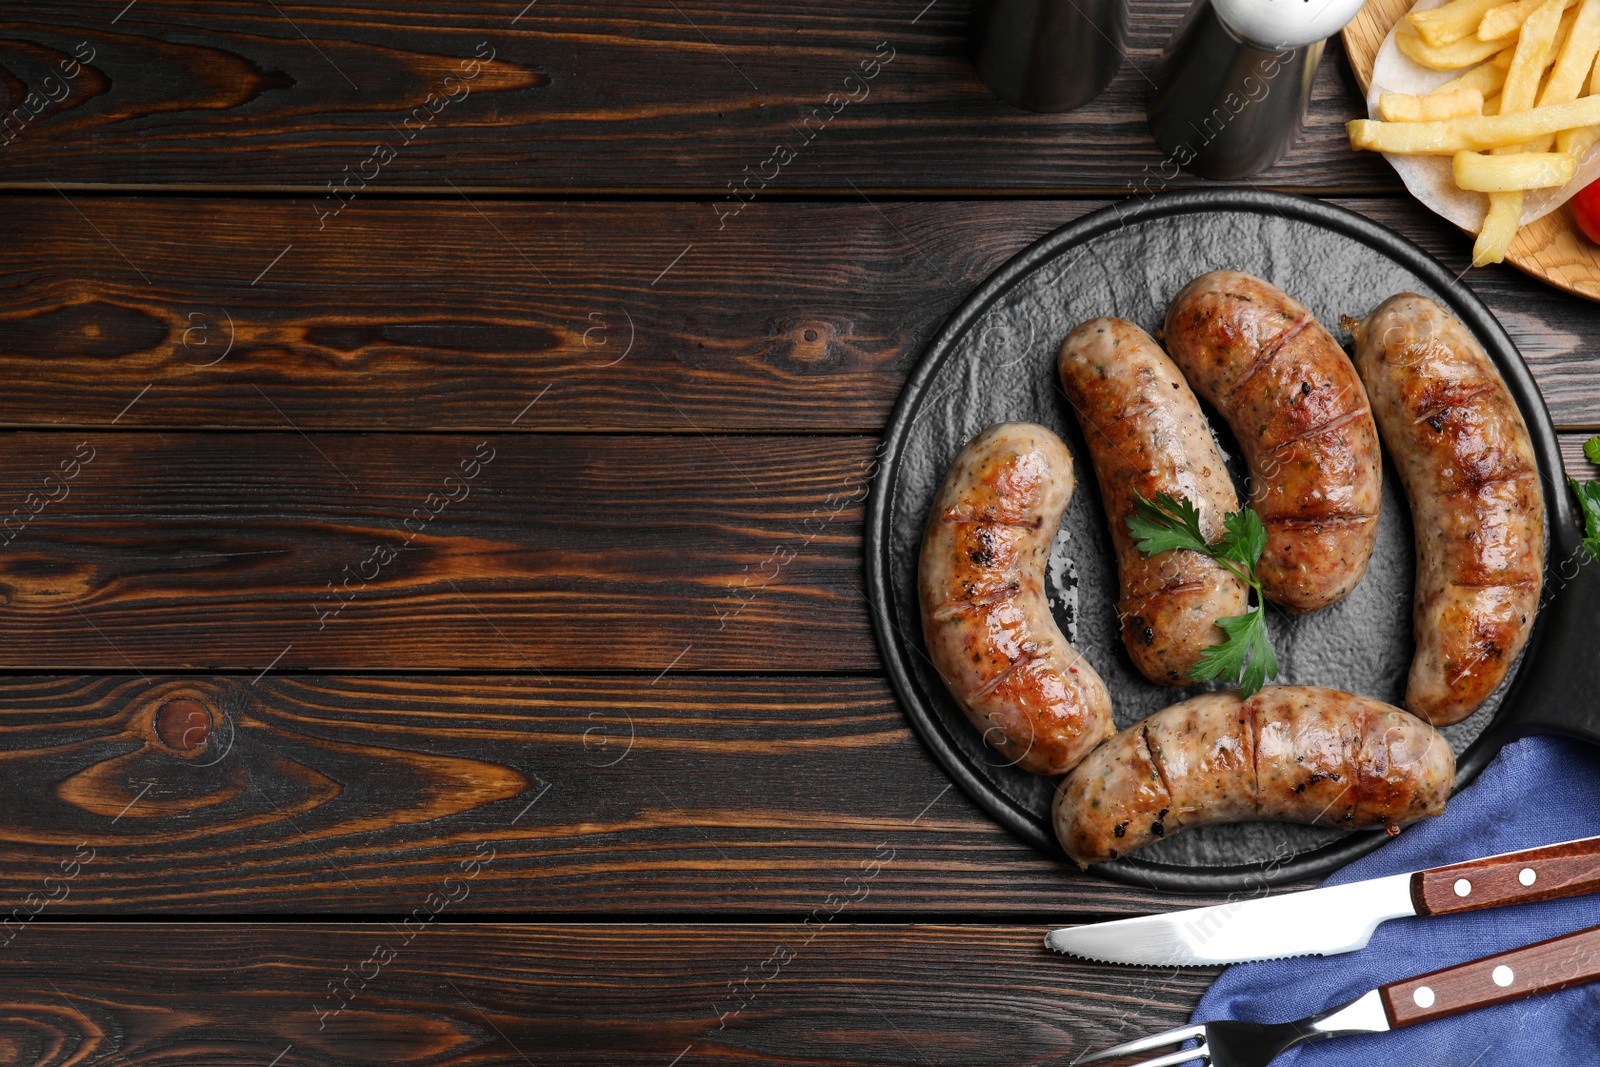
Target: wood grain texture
(448,314)
(1544,967)
(796,317)
(632,95)
(678,794)
(1577,464)
(519,551)
(1551,249)
(1568,869)
(485,995)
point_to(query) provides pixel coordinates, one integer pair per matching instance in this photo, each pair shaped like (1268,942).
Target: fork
(1544,967)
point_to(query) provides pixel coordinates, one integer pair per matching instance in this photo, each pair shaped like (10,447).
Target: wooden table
(437,493)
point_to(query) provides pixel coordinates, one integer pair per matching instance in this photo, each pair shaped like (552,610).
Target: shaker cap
(1286,23)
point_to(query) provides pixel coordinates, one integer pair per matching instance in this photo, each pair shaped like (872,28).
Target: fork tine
(1145,1044)
(1181,1056)
(1172,1059)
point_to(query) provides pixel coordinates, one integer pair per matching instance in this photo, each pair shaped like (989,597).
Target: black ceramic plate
(994,361)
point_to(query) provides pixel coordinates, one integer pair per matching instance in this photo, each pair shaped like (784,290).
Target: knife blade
(1334,919)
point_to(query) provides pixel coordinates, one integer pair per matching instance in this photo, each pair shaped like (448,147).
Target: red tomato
(1586,210)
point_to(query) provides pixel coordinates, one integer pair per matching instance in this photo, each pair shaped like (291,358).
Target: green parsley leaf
(1247,654)
(1263,660)
(1588,494)
(1243,538)
(1591,448)
(1165,524)
(1229,657)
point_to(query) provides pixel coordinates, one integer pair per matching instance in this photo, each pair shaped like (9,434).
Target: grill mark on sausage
(1520,583)
(1337,518)
(1487,652)
(1477,392)
(1027,657)
(1132,413)
(1253,732)
(1327,427)
(1155,761)
(976,603)
(1473,481)
(1362,783)
(967,520)
(1121,455)
(1269,351)
(1166,590)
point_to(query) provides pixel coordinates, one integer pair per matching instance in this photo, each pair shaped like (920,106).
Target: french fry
(1454,56)
(1535,43)
(1513,171)
(1503,59)
(1475,133)
(1453,21)
(1435,107)
(1507,19)
(1491,106)
(1499,229)
(1577,56)
(1572,66)
(1485,77)
(1576,143)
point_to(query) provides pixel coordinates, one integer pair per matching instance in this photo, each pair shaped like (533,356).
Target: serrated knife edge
(1313,922)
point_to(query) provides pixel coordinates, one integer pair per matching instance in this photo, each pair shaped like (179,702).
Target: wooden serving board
(1551,249)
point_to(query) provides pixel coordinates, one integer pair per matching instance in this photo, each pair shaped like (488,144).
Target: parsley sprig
(1170,523)
(1588,494)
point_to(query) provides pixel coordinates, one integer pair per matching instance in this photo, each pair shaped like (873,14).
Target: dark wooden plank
(346,550)
(452,996)
(432,314)
(678,794)
(1578,465)
(798,317)
(632,95)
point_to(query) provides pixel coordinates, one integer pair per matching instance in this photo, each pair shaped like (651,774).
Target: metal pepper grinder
(1231,88)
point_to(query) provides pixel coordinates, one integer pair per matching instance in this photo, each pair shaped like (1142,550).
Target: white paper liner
(1431,178)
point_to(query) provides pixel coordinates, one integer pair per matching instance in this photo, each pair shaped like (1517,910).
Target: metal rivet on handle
(1503,976)
(1463,887)
(1423,996)
(1528,876)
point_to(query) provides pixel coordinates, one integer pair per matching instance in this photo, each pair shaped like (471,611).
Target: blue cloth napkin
(1537,791)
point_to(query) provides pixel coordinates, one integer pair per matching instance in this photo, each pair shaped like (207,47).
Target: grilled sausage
(1146,435)
(1466,460)
(1301,417)
(984,614)
(1290,754)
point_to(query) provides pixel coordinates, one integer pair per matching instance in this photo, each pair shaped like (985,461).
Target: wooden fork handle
(1565,870)
(1524,972)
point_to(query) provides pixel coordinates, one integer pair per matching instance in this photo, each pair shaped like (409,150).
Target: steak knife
(1335,919)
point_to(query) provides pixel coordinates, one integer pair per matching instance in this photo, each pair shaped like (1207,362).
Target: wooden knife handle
(1565,870)
(1540,968)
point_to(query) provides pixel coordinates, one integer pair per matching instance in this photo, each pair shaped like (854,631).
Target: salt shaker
(1048,55)
(1231,88)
